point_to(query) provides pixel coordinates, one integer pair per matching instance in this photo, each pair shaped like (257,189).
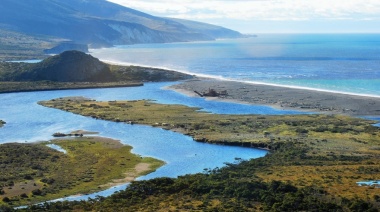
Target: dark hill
(70,66)
(76,66)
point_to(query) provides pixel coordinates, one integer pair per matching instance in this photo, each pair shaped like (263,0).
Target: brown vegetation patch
(322,154)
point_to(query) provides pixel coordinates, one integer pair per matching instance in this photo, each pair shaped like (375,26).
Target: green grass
(34,173)
(332,144)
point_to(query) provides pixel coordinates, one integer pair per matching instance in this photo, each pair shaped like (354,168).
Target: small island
(33,173)
(2,123)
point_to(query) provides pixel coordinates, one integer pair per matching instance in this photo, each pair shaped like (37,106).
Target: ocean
(344,63)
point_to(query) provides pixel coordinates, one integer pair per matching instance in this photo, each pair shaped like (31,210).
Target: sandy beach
(284,97)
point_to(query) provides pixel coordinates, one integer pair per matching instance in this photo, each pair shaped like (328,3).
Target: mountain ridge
(99,23)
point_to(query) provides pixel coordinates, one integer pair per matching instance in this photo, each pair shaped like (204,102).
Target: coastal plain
(323,156)
(324,151)
(320,156)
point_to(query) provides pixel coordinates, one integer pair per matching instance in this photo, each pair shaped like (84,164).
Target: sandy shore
(130,175)
(285,98)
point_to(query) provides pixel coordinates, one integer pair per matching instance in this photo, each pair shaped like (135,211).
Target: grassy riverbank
(34,173)
(325,153)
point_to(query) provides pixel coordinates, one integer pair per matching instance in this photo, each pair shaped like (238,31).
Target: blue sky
(271,16)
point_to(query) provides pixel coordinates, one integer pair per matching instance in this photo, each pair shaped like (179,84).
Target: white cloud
(259,9)
(270,15)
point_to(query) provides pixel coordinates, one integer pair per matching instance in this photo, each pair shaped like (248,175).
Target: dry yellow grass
(329,151)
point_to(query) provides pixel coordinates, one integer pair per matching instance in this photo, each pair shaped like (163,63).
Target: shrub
(24,195)
(37,192)
(6,199)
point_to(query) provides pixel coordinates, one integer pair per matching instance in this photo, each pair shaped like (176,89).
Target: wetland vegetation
(314,161)
(32,173)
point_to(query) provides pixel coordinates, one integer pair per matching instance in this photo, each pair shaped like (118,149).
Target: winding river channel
(26,121)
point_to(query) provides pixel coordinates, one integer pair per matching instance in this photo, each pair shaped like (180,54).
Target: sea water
(347,63)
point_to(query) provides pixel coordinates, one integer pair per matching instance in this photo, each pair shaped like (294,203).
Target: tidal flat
(331,152)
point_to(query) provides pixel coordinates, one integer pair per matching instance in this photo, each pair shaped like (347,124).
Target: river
(26,121)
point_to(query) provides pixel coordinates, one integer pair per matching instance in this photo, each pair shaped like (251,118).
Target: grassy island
(315,161)
(32,173)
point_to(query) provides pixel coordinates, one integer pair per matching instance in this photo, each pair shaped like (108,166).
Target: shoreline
(283,98)
(198,76)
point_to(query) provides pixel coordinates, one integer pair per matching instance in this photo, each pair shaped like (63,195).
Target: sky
(271,16)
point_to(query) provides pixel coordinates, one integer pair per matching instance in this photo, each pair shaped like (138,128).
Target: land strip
(33,173)
(285,98)
(12,87)
(331,152)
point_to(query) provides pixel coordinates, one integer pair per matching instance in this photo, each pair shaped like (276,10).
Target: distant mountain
(210,30)
(66,46)
(100,23)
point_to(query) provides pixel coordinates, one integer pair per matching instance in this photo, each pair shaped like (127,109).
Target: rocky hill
(76,66)
(70,66)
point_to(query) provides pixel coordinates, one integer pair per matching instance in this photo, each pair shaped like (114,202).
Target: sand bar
(285,97)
